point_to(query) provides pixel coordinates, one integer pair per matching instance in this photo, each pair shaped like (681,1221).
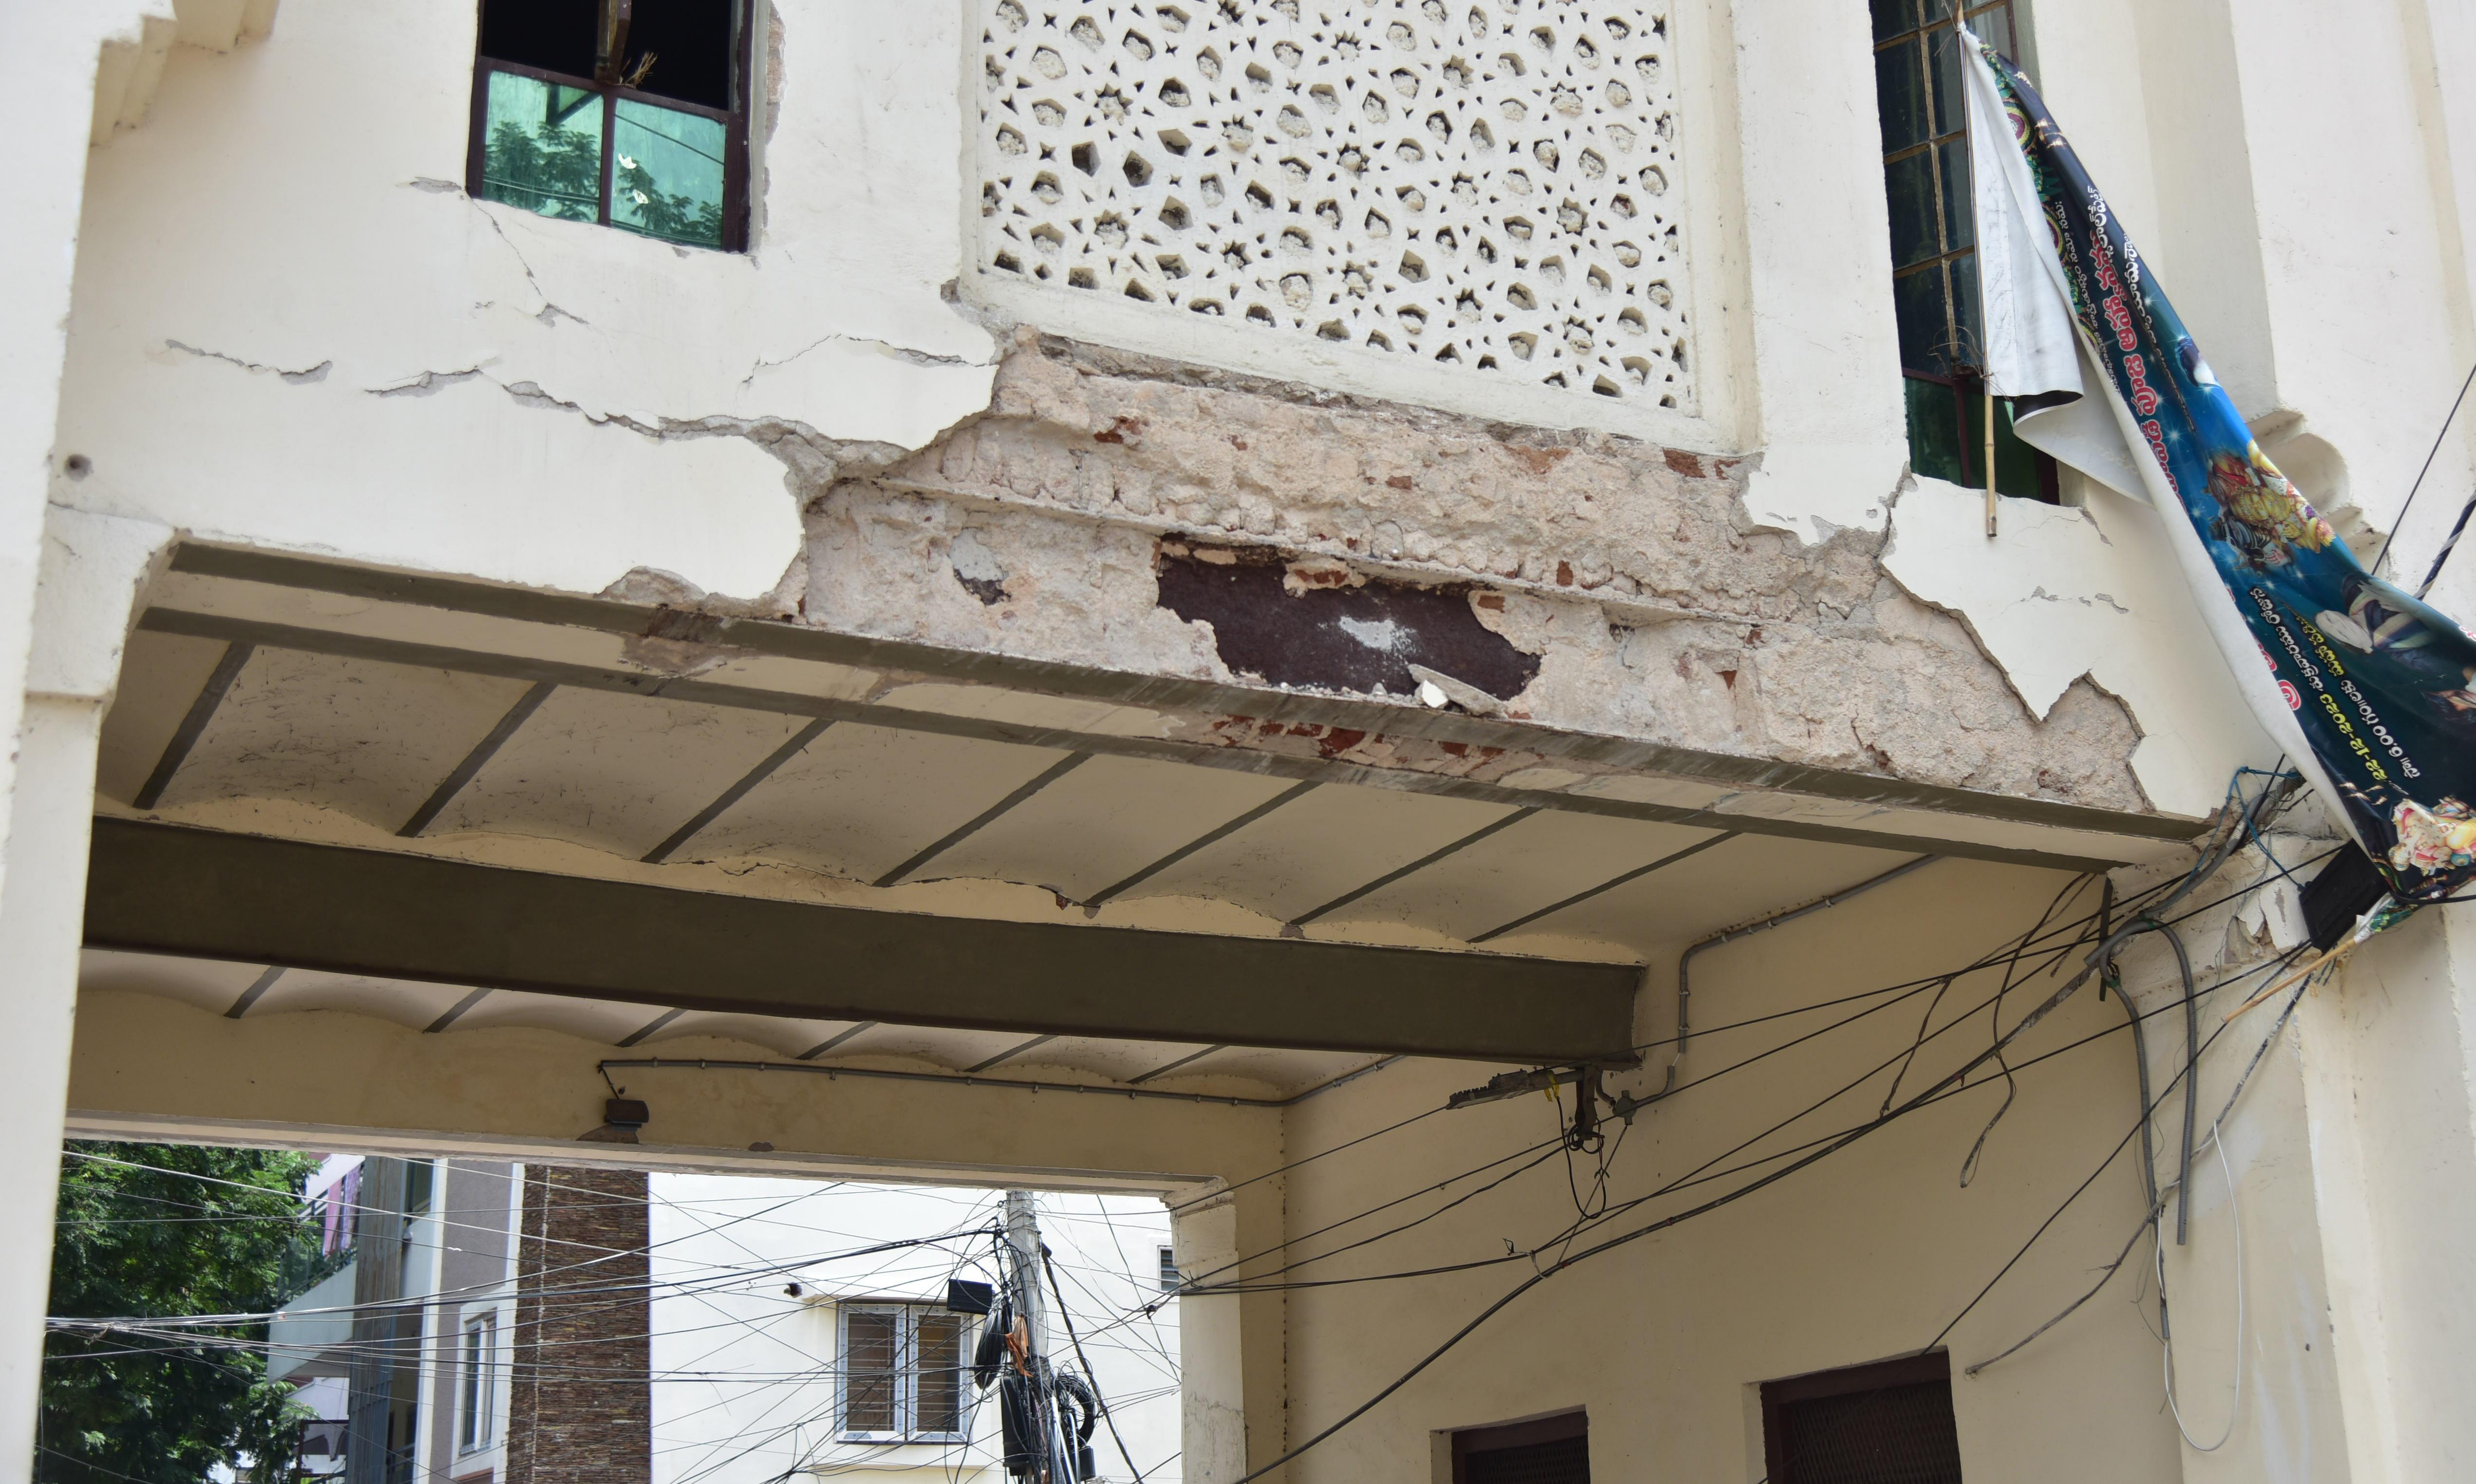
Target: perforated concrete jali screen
(1486,189)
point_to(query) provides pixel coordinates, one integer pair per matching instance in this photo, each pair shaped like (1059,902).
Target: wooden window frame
(1845,1381)
(733,121)
(1556,1427)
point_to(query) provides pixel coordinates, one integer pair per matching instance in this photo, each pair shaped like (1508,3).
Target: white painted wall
(749,1369)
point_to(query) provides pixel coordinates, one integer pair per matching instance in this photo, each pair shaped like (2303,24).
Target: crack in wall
(901,352)
(316,373)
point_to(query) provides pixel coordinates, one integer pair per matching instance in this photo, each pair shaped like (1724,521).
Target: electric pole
(1022,1236)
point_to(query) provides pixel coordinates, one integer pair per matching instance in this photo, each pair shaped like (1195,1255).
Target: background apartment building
(548,1322)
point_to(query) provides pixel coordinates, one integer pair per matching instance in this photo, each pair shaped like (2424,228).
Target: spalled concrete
(1645,601)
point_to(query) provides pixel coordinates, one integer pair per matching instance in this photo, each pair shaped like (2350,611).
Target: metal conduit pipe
(1685,960)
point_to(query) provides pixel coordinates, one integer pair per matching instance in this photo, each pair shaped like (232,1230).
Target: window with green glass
(1918,79)
(627,113)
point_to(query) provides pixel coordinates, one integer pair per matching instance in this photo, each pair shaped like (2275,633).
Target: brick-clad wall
(580,1411)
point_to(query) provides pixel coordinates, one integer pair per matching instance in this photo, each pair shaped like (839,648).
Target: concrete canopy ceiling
(469,738)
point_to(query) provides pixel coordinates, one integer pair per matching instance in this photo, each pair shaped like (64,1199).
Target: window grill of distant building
(900,1370)
(1918,84)
(1169,1278)
(1885,1423)
(477,1384)
(630,113)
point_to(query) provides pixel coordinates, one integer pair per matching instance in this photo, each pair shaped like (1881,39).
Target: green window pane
(1917,300)
(1960,225)
(1934,431)
(1942,49)
(1994,27)
(1893,17)
(1901,92)
(1935,10)
(1909,182)
(666,174)
(542,147)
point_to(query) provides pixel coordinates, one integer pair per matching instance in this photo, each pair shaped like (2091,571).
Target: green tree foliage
(142,1242)
(557,172)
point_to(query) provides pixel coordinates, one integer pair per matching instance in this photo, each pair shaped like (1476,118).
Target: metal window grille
(1169,1275)
(1919,82)
(901,1373)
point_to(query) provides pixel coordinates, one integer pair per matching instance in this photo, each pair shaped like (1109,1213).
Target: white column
(1212,1384)
(92,570)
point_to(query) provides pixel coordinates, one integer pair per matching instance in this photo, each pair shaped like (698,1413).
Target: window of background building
(1865,1424)
(902,1368)
(476,1390)
(1918,83)
(632,114)
(1169,1278)
(1545,1450)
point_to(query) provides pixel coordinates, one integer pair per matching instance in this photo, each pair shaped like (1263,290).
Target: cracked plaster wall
(344,354)
(1658,608)
(411,378)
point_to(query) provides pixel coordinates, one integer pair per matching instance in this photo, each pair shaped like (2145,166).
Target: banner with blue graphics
(2372,691)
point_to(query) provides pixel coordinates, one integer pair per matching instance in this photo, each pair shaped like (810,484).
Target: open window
(630,113)
(1918,82)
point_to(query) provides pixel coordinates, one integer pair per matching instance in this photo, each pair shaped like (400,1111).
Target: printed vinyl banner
(2371,691)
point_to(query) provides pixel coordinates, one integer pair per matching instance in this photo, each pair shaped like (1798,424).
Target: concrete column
(2393,1058)
(92,570)
(1212,1383)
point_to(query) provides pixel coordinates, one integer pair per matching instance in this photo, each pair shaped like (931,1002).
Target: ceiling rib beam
(736,791)
(483,751)
(1168,1067)
(194,724)
(207,894)
(1507,822)
(1610,884)
(1212,836)
(455,1012)
(430,657)
(986,817)
(258,987)
(639,1034)
(834,1039)
(1009,1054)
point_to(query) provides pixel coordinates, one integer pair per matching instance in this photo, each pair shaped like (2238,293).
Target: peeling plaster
(1653,605)
(2058,601)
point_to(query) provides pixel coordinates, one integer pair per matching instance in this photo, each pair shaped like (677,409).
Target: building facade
(1109,598)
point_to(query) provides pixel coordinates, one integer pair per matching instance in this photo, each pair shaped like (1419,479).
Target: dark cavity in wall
(1339,637)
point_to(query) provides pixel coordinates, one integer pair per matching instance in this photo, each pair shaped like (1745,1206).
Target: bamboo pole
(1990,458)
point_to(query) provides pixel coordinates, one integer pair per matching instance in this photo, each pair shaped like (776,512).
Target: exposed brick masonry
(579,1411)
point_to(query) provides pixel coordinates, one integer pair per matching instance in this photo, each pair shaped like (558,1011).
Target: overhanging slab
(171,889)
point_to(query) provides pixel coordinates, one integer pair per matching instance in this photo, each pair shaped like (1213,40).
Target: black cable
(2149,1220)
(1091,1376)
(2437,438)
